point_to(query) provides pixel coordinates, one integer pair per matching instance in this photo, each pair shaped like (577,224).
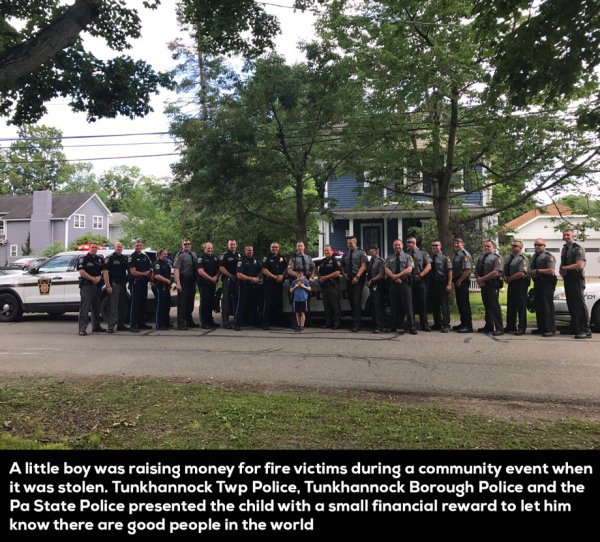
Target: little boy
(300,287)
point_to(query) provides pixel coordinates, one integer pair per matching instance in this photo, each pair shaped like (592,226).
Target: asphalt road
(558,368)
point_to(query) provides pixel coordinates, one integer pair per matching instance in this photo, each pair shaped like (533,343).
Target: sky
(158,28)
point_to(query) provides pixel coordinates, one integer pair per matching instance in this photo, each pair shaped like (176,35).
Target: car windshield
(59,264)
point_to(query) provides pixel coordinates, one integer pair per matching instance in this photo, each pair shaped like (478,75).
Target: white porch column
(351,227)
(400,229)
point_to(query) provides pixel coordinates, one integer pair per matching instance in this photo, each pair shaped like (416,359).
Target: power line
(80,136)
(123,144)
(90,159)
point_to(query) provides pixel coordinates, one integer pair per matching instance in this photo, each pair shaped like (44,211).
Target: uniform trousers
(139,298)
(493,313)
(331,302)
(543,299)
(401,302)
(228,300)
(440,303)
(117,305)
(463,303)
(185,301)
(516,305)
(580,318)
(163,306)
(90,302)
(376,296)
(355,297)
(273,302)
(419,293)
(247,302)
(207,299)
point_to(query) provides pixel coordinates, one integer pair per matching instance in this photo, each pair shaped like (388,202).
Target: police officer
(329,279)
(354,264)
(90,284)
(420,271)
(515,274)
(541,271)
(140,270)
(301,261)
(162,281)
(398,267)
(274,268)
(572,262)
(186,272)
(248,273)
(461,270)
(440,286)
(228,269)
(375,280)
(208,272)
(114,273)
(488,271)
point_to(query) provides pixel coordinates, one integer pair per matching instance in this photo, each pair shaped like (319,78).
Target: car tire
(10,308)
(595,320)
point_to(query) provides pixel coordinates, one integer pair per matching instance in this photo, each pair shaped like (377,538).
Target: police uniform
(330,290)
(139,291)
(486,263)
(460,262)
(351,262)
(273,290)
(117,265)
(229,261)
(441,265)
(187,263)
(163,294)
(401,294)
(90,292)
(419,286)
(210,264)
(543,292)
(574,288)
(248,294)
(516,304)
(376,267)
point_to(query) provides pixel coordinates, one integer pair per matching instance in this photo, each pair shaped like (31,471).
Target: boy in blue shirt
(301,289)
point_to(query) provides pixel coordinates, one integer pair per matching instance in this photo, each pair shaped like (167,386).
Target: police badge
(44,285)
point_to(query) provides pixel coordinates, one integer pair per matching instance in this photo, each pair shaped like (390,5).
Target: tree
(265,152)
(432,121)
(45,58)
(88,238)
(35,161)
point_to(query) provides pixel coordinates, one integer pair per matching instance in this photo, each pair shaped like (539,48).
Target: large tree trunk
(300,211)
(19,61)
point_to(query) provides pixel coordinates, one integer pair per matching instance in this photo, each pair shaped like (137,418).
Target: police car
(591,295)
(53,287)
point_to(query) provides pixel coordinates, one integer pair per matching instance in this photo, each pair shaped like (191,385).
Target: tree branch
(21,60)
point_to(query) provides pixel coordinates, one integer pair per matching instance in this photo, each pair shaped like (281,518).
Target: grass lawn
(160,414)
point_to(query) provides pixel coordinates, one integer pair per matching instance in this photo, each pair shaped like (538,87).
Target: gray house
(45,217)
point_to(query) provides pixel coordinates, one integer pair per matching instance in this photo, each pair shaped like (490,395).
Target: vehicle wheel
(10,308)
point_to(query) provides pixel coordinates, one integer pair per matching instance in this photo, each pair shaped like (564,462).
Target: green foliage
(88,238)
(99,88)
(52,249)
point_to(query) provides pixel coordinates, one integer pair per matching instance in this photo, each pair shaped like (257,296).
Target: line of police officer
(412,276)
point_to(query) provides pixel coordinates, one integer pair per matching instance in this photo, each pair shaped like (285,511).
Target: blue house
(348,213)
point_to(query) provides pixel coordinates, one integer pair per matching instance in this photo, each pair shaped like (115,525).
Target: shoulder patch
(130,259)
(107,260)
(239,264)
(177,258)
(465,258)
(264,259)
(551,258)
(157,266)
(499,259)
(580,250)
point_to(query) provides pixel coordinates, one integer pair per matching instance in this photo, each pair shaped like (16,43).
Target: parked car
(11,270)
(53,287)
(592,300)
(30,261)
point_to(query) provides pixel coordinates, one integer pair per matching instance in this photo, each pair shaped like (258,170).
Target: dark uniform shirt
(516,263)
(140,262)
(210,264)
(162,267)
(92,265)
(421,259)
(329,266)
(187,263)
(352,260)
(302,262)
(440,266)
(249,266)
(486,263)
(570,255)
(229,261)
(117,266)
(275,264)
(397,263)
(462,260)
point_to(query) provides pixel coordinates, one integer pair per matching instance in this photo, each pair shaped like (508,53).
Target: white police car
(52,287)
(591,295)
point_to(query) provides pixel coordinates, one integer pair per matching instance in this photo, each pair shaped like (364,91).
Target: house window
(79,221)
(14,250)
(98,222)
(2,228)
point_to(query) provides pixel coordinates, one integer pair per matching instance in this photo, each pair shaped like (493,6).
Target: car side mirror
(33,270)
